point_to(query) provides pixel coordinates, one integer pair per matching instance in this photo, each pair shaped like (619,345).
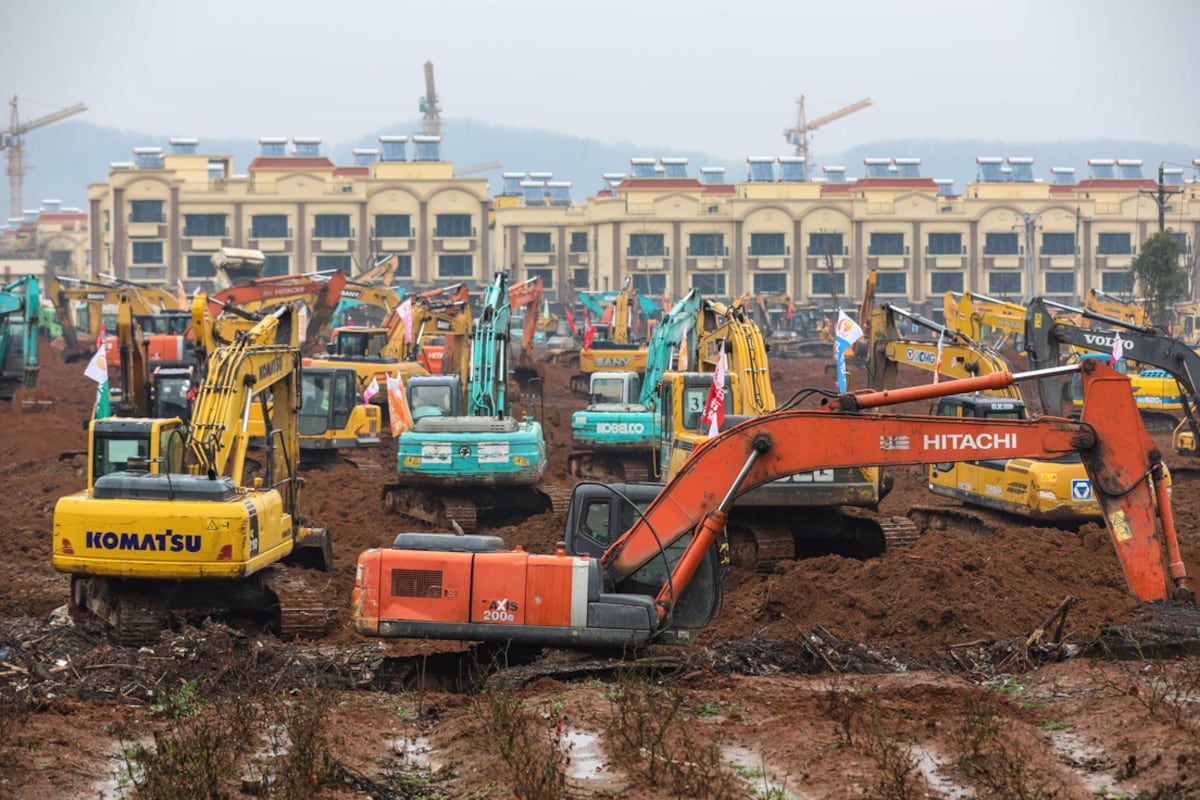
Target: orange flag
(398,411)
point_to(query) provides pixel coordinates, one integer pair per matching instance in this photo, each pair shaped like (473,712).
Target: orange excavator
(525,299)
(660,581)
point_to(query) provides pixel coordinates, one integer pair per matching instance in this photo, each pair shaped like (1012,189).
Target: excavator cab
(434,396)
(125,444)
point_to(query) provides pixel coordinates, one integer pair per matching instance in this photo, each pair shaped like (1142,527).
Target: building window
(767,244)
(148,253)
(1058,244)
(146,211)
(204,225)
(1116,283)
(709,284)
(547,276)
(942,282)
(276,265)
(1060,283)
(269,226)
(825,283)
(330,263)
(456,266)
(1000,244)
(538,243)
(891,283)
(653,285)
(1114,244)
(200,267)
(945,244)
(579,242)
(453,226)
(60,260)
(770,283)
(1003,284)
(331,226)
(403,264)
(886,244)
(646,244)
(706,244)
(579,279)
(393,226)
(825,244)
(1181,241)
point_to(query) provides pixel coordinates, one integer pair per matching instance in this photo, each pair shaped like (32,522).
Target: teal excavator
(18,335)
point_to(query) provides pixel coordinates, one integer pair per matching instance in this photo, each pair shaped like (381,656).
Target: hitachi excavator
(616,436)
(18,335)
(660,581)
(824,511)
(1057,491)
(467,455)
(171,519)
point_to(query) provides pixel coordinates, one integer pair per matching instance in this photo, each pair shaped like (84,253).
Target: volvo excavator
(660,581)
(19,302)
(467,455)
(823,511)
(616,436)
(1171,384)
(1057,491)
(172,520)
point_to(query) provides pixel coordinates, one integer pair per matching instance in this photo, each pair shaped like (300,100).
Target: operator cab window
(694,398)
(608,390)
(114,455)
(595,521)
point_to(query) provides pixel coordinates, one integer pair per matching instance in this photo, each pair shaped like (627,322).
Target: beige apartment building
(162,216)
(1009,234)
(50,237)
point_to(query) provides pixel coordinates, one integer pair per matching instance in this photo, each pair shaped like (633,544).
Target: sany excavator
(661,580)
(466,454)
(827,511)
(616,344)
(19,302)
(171,519)
(1170,385)
(616,436)
(364,304)
(374,352)
(1057,491)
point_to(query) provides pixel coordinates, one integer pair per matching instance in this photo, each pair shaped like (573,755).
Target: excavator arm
(676,331)
(971,313)
(527,296)
(320,294)
(135,371)
(746,353)
(488,380)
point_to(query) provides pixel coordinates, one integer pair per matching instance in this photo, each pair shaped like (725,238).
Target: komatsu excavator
(1057,491)
(19,302)
(661,580)
(171,519)
(467,454)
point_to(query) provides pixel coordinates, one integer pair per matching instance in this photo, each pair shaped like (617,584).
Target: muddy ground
(1009,665)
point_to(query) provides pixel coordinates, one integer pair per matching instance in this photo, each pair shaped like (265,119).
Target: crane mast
(12,140)
(798,136)
(431,125)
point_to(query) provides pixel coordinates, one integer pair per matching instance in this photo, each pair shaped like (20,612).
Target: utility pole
(1159,196)
(1028,223)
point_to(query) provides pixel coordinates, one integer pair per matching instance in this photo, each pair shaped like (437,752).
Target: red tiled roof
(836,188)
(660,183)
(340,172)
(720,188)
(291,162)
(62,217)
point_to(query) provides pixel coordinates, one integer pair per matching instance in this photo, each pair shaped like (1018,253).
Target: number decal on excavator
(412,461)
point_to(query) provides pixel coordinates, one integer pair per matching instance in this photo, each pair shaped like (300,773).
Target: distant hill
(62,159)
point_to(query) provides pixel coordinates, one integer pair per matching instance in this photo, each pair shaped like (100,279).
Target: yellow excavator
(980,317)
(173,522)
(1058,491)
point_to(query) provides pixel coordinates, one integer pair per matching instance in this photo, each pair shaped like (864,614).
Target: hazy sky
(717,76)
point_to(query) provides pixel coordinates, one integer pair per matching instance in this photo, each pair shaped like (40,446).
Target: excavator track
(560,496)
(462,510)
(133,618)
(974,521)
(593,466)
(302,609)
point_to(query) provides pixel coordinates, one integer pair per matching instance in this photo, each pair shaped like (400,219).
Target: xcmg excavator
(660,581)
(824,511)
(19,302)
(1057,491)
(1172,383)
(615,437)
(171,519)
(466,455)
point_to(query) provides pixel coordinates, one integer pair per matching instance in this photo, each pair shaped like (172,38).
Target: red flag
(791,310)
(589,332)
(570,319)
(714,405)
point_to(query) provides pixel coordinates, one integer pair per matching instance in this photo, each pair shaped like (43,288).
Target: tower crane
(798,136)
(12,139)
(431,125)
(472,169)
